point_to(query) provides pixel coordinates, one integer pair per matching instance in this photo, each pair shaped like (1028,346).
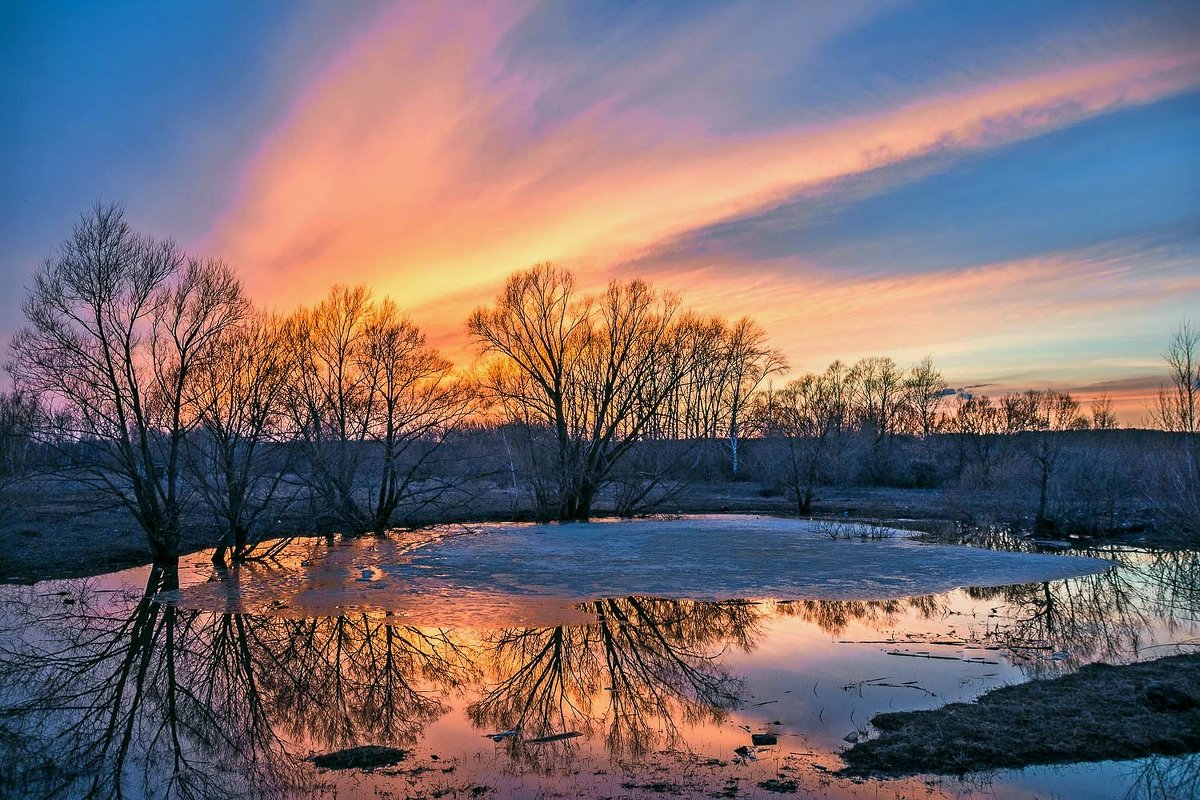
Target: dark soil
(59,533)
(1099,713)
(367,757)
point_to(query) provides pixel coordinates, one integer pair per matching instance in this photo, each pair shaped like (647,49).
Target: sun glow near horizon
(1020,206)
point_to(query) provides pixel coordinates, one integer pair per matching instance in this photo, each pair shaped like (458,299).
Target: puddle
(497,682)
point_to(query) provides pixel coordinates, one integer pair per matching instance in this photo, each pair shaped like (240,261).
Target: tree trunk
(1040,523)
(733,449)
(164,544)
(583,503)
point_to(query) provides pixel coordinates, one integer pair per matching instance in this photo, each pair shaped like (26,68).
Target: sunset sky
(1012,188)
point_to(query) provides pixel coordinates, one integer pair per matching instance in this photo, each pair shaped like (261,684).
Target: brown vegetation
(1100,712)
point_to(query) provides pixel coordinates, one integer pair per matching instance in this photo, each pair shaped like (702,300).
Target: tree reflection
(1106,616)
(643,667)
(339,681)
(108,696)
(1159,777)
(834,616)
(102,705)
(155,701)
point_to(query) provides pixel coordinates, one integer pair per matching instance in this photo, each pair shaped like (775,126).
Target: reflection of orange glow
(411,165)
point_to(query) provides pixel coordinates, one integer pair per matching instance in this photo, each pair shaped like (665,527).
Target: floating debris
(922,654)
(367,757)
(764,739)
(780,785)
(884,683)
(557,737)
(746,753)
(502,735)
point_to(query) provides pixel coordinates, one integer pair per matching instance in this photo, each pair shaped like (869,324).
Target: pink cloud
(411,165)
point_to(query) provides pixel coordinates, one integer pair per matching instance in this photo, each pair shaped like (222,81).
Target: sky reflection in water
(110,692)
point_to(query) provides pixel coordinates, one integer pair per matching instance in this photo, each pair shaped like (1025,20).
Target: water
(222,683)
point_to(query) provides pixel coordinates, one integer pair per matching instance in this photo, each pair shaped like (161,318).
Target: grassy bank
(1099,713)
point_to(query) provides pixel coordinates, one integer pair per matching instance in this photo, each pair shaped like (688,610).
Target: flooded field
(697,658)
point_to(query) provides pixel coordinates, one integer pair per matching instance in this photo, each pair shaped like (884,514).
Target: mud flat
(1099,713)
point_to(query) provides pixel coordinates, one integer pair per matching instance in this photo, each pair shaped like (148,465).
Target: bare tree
(371,404)
(237,400)
(596,371)
(1174,482)
(976,427)
(1043,417)
(808,415)
(880,408)
(1178,401)
(117,325)
(925,389)
(1104,416)
(20,417)
(748,360)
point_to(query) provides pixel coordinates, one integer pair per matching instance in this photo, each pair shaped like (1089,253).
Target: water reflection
(833,616)
(1102,617)
(652,663)
(114,694)
(1156,777)
(153,701)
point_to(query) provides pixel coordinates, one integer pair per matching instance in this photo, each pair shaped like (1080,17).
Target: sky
(1011,188)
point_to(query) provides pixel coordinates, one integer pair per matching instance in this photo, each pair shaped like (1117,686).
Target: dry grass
(1101,712)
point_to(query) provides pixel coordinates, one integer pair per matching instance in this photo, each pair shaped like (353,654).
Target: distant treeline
(146,374)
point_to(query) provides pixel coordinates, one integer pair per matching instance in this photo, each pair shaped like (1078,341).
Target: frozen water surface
(721,558)
(537,573)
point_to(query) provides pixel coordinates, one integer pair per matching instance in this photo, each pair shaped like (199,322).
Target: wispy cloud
(409,155)
(442,150)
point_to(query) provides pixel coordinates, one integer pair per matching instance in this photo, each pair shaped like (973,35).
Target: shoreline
(52,536)
(1099,713)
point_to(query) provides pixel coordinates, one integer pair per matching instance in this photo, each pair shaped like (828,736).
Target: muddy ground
(1100,712)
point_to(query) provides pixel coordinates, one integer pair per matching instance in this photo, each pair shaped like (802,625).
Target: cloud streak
(436,154)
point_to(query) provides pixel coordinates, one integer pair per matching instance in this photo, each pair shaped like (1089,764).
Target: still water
(207,682)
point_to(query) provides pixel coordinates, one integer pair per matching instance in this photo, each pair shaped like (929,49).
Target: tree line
(147,374)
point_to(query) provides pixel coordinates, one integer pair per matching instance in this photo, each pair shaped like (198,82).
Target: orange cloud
(411,165)
(1012,325)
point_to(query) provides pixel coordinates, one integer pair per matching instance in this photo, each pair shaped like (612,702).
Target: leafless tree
(925,390)
(808,414)
(117,326)
(1173,483)
(371,404)
(880,408)
(237,400)
(1104,416)
(746,360)
(1178,401)
(976,428)
(597,372)
(1043,416)
(21,415)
